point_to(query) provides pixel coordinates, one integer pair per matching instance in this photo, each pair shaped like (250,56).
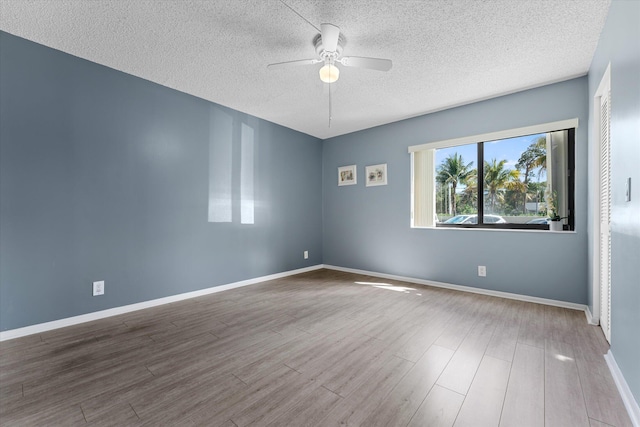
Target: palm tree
(469,196)
(535,156)
(453,171)
(514,188)
(541,160)
(497,179)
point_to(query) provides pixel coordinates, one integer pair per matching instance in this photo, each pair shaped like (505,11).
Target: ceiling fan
(329,44)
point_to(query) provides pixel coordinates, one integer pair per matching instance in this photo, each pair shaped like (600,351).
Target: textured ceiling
(445,52)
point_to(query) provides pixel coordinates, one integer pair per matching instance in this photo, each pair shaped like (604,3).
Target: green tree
(514,188)
(535,156)
(453,171)
(541,162)
(469,196)
(497,179)
(536,190)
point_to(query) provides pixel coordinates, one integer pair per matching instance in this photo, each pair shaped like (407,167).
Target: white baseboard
(623,388)
(590,319)
(43,327)
(75,320)
(480,291)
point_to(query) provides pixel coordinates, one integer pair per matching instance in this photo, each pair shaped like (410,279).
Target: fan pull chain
(329,105)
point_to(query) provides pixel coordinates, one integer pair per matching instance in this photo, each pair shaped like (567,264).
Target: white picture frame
(376,175)
(347,175)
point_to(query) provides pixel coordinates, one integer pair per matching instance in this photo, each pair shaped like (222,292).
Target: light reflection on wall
(246,175)
(220,165)
(228,165)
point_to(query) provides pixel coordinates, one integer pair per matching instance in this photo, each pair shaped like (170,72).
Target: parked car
(458,219)
(539,221)
(473,219)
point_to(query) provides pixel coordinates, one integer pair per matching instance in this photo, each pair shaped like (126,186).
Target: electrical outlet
(306,254)
(98,288)
(482,271)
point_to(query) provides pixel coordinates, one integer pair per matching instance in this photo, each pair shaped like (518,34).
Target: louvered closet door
(605,215)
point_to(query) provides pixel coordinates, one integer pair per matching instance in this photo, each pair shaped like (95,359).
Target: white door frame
(603,88)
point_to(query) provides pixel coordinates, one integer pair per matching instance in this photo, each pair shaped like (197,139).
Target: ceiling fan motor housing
(322,53)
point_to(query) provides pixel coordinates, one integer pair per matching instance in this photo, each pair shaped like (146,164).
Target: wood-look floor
(324,348)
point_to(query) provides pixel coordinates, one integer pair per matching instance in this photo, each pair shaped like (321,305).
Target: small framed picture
(376,175)
(347,175)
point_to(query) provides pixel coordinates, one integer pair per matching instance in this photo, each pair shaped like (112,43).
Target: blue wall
(105,176)
(620,45)
(369,228)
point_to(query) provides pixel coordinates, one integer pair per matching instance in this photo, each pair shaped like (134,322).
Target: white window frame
(474,139)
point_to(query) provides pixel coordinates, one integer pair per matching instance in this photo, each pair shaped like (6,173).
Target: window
(516,179)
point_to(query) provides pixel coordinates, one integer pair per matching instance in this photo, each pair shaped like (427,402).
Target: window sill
(508,230)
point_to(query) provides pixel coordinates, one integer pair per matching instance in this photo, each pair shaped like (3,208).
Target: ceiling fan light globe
(329,73)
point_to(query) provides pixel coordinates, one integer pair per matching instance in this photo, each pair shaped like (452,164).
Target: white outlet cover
(482,271)
(306,254)
(98,288)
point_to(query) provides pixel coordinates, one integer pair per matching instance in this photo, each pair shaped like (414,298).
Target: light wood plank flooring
(323,348)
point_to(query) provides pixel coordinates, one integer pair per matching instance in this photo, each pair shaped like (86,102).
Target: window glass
(515,180)
(456,184)
(520,182)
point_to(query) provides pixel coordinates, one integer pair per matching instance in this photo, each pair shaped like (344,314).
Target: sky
(509,149)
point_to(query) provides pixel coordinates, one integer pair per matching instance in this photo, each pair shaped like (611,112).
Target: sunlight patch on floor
(562,358)
(387,286)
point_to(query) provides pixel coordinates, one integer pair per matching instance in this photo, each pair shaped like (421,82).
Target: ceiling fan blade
(363,62)
(293,63)
(330,36)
